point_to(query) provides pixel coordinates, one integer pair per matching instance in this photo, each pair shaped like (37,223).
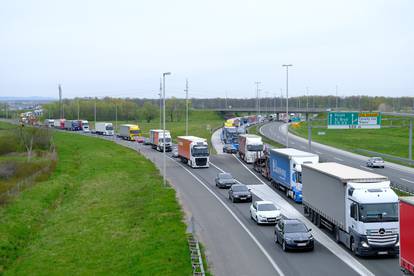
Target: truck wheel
(318,220)
(337,239)
(353,247)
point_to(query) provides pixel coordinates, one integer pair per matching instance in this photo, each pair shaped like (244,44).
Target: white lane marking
(406,180)
(339,159)
(272,262)
(366,168)
(266,193)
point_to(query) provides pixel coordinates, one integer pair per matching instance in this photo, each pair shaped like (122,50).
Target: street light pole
(287,102)
(160,94)
(186,107)
(163,125)
(257,99)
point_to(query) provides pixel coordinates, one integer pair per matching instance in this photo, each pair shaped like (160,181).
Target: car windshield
(254,147)
(239,188)
(199,151)
(266,207)
(225,176)
(295,228)
(378,212)
(110,127)
(376,159)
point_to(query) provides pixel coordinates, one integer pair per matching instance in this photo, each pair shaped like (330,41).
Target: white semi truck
(103,128)
(250,147)
(157,139)
(358,206)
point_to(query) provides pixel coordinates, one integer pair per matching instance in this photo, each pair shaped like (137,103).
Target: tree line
(108,109)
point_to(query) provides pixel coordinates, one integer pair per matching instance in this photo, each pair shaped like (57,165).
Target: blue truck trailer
(286,170)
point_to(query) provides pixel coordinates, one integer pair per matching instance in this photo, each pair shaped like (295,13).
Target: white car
(375,162)
(265,212)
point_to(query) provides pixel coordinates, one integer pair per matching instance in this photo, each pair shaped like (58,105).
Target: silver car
(377,162)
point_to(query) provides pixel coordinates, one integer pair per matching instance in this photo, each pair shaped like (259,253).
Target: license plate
(243,198)
(301,244)
(383,253)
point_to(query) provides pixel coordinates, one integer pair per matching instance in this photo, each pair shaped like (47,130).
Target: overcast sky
(121,48)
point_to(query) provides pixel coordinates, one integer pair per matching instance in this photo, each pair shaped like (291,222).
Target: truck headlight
(397,244)
(364,244)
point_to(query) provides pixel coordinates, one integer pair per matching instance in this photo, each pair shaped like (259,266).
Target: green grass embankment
(388,140)
(103,211)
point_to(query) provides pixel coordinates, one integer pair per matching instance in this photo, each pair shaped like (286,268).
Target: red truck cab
(407,234)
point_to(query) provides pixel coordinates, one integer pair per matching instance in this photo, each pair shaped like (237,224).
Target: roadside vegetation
(201,123)
(26,156)
(103,211)
(391,138)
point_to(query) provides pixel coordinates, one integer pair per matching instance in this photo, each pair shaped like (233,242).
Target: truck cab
(372,218)
(250,147)
(85,125)
(193,151)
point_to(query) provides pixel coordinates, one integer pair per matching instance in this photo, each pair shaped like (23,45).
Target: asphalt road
(235,244)
(399,175)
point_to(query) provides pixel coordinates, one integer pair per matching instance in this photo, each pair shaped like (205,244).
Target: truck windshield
(134,131)
(109,127)
(167,140)
(378,212)
(199,151)
(85,125)
(254,147)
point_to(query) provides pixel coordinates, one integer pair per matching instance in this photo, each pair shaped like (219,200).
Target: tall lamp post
(287,102)
(163,124)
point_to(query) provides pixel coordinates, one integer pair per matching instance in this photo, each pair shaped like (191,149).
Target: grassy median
(103,211)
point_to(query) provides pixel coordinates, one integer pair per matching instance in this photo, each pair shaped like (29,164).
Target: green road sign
(347,120)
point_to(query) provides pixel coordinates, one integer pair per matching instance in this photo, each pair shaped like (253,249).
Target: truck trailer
(193,151)
(407,234)
(103,128)
(286,170)
(49,123)
(250,147)
(59,123)
(359,207)
(157,142)
(129,132)
(72,125)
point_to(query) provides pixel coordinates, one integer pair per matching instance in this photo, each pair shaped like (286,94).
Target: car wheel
(276,239)
(251,216)
(257,221)
(233,200)
(284,246)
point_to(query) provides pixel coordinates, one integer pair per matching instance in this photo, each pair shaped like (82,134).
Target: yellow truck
(129,132)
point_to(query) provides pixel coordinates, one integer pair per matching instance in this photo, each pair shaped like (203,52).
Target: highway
(400,175)
(235,245)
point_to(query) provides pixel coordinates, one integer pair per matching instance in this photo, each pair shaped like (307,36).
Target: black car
(293,234)
(240,192)
(224,180)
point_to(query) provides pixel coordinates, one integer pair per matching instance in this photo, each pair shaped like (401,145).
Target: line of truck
(72,125)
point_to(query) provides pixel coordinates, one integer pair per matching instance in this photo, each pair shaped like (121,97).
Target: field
(201,123)
(103,211)
(391,139)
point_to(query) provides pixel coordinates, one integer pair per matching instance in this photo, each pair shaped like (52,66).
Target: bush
(7,169)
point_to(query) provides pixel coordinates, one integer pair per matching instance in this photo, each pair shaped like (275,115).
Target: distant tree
(149,111)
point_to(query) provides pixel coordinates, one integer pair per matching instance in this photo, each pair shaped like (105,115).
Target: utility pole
(163,122)
(116,117)
(78,109)
(257,99)
(287,102)
(307,99)
(225,101)
(274,104)
(94,113)
(160,94)
(336,97)
(186,107)
(410,140)
(60,101)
